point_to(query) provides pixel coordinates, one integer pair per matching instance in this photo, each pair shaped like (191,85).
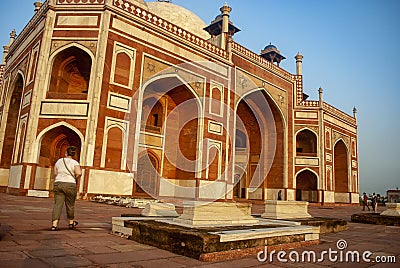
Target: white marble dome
(179,16)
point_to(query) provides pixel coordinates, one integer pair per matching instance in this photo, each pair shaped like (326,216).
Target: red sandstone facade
(111,77)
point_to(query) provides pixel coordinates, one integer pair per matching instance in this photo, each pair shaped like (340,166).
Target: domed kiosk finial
(272,54)
(225,9)
(222,27)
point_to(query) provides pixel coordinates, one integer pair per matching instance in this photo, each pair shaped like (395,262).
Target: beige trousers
(64,192)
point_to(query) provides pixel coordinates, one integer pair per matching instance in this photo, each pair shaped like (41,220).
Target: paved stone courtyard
(26,240)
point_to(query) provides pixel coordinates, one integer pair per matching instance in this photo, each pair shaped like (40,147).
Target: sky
(350,49)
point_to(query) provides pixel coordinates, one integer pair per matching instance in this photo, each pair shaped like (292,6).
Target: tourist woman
(67,171)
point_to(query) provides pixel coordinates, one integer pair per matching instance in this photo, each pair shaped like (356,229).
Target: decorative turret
(37,5)
(355,113)
(6,48)
(299,63)
(222,27)
(272,54)
(320,91)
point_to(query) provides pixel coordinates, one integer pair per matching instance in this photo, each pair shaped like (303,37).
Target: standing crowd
(374,202)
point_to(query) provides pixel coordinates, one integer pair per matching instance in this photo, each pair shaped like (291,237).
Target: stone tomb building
(153,98)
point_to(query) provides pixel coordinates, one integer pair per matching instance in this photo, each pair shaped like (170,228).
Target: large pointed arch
(140,101)
(11,119)
(341,167)
(270,98)
(277,177)
(53,57)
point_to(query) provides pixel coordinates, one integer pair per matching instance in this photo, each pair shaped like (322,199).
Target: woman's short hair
(71,150)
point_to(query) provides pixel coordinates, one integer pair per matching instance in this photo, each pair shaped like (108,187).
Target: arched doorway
(306,186)
(169,127)
(147,181)
(53,146)
(239,188)
(12,122)
(248,147)
(341,172)
(259,142)
(306,143)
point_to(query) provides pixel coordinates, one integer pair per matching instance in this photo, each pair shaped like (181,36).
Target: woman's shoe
(54,228)
(73,224)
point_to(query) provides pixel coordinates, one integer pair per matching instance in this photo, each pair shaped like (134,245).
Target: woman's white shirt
(63,175)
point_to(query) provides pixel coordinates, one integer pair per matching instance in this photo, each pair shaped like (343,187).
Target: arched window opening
(114,148)
(70,74)
(306,143)
(152,115)
(241,140)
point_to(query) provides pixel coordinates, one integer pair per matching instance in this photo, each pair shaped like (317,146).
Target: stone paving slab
(25,239)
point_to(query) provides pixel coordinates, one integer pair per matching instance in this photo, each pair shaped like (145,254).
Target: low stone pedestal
(159,210)
(38,193)
(218,243)
(392,209)
(197,213)
(286,210)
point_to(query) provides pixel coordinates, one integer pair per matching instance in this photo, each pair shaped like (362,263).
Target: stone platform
(218,242)
(26,239)
(376,218)
(326,225)
(392,209)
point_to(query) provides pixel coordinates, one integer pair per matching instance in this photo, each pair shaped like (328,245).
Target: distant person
(374,203)
(365,201)
(280,195)
(67,171)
